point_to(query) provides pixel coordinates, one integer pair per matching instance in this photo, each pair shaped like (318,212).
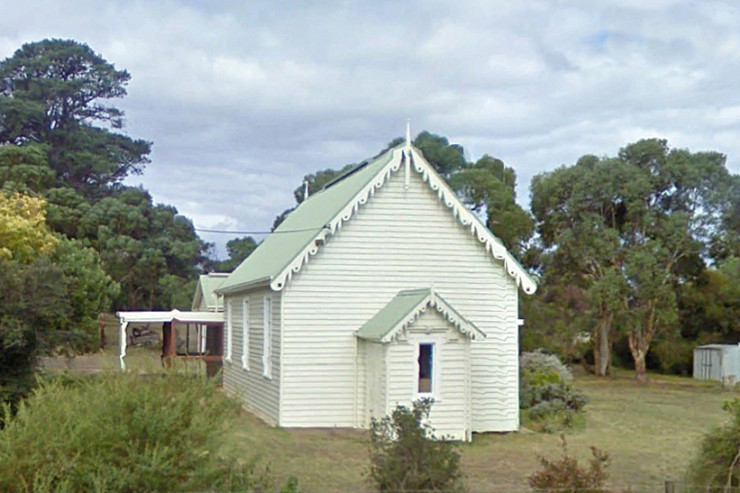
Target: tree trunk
(639,346)
(639,340)
(640,367)
(602,347)
(605,351)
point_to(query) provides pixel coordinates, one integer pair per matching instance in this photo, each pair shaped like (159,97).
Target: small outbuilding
(205,298)
(182,335)
(717,362)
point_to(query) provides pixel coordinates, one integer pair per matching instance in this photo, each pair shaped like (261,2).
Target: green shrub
(718,462)
(406,456)
(291,486)
(122,432)
(551,417)
(565,395)
(565,475)
(539,361)
(547,392)
(676,356)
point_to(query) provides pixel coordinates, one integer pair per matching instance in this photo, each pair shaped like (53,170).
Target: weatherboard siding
(259,393)
(449,415)
(400,239)
(374,403)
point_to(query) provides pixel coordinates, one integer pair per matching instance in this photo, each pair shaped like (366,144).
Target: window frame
(229,330)
(267,337)
(435,373)
(245,334)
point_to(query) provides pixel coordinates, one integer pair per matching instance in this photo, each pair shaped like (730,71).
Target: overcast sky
(242,98)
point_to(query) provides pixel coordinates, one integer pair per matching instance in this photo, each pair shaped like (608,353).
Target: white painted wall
(400,239)
(374,404)
(260,394)
(449,415)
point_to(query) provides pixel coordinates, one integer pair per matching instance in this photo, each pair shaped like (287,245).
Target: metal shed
(717,362)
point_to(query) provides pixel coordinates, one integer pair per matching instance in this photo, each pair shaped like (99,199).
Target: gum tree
(629,230)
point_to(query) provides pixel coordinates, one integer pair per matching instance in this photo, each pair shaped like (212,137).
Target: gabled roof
(310,226)
(205,289)
(405,308)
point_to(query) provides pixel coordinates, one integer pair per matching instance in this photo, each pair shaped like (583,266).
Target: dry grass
(650,431)
(141,359)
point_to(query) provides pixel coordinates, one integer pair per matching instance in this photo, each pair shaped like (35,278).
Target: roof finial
(408,132)
(305,189)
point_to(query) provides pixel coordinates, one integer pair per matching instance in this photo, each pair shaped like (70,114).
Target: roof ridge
(322,233)
(275,261)
(346,174)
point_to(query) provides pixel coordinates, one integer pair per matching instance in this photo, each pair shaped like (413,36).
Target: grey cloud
(242,99)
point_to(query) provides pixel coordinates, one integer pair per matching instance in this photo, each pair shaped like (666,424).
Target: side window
(245,334)
(229,330)
(425,365)
(267,338)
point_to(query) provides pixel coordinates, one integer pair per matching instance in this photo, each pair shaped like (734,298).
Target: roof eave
(263,281)
(369,339)
(493,245)
(433,300)
(345,213)
(469,326)
(196,297)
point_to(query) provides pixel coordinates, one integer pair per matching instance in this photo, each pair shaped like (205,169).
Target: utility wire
(230,232)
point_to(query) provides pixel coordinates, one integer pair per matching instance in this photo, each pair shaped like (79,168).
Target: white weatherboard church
(378,290)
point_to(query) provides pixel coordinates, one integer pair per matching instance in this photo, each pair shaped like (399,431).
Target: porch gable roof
(405,308)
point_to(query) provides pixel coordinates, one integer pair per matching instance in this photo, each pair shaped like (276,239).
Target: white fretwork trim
(446,196)
(345,214)
(468,219)
(460,323)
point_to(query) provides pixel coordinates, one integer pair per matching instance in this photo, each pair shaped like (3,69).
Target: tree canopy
(23,232)
(61,140)
(75,241)
(52,92)
(627,230)
(486,186)
(238,249)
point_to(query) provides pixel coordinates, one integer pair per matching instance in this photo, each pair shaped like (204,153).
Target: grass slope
(651,432)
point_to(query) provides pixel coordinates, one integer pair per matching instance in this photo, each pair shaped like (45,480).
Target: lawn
(650,432)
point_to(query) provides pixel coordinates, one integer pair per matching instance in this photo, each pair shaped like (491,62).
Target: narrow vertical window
(267,338)
(245,334)
(426,369)
(229,330)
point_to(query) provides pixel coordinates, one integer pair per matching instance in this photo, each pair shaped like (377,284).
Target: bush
(565,475)
(676,356)
(564,395)
(121,432)
(546,390)
(406,456)
(718,462)
(539,361)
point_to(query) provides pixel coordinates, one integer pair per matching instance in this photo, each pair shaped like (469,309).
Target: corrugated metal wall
(717,362)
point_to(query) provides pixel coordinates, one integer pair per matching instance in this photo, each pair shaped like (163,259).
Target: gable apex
(311,225)
(405,308)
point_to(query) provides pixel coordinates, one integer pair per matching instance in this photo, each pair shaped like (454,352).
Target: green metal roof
(302,225)
(403,308)
(207,284)
(392,314)
(285,250)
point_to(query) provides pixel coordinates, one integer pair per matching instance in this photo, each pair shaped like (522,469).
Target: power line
(232,232)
